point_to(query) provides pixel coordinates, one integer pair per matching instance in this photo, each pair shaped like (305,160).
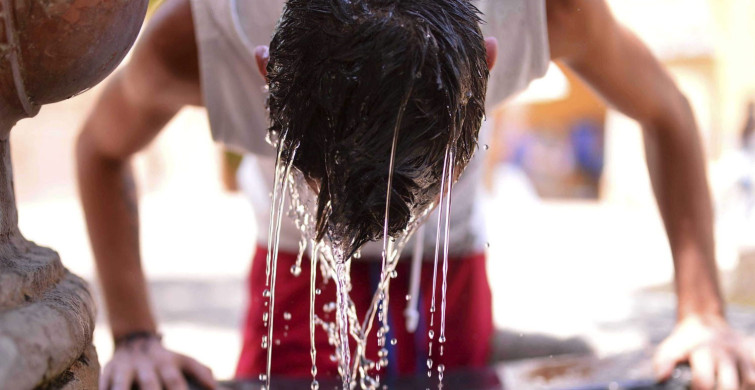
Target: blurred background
(578,254)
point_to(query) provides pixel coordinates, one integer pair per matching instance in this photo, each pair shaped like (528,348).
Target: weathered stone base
(46,343)
(83,375)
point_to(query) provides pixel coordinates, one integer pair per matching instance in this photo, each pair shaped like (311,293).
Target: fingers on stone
(703,370)
(172,377)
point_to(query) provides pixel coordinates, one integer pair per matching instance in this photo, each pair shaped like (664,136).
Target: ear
(491,46)
(262,57)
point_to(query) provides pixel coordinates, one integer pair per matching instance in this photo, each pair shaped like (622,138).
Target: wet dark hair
(344,73)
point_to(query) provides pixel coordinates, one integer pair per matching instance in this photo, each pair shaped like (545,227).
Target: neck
(8,213)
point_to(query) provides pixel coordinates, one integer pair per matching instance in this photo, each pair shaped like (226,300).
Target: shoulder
(165,59)
(575,24)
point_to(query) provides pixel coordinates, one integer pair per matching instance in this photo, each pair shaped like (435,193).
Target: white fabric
(227,32)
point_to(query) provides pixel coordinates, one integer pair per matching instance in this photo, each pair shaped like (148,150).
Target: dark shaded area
(509,345)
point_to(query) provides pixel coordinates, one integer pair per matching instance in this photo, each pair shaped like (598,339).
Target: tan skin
(163,77)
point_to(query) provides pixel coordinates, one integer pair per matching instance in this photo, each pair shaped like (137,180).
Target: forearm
(109,199)
(678,174)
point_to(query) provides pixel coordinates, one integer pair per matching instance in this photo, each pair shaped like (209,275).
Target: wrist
(709,316)
(701,303)
(136,336)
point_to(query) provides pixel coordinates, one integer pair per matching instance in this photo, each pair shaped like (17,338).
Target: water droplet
(329,307)
(394,274)
(431,333)
(318,291)
(487,147)
(487,245)
(442,339)
(266,293)
(314,370)
(263,377)
(383,353)
(429,374)
(429,363)
(265,315)
(394,341)
(287,316)
(441,368)
(264,342)
(408,297)
(315,385)
(295,270)
(277,342)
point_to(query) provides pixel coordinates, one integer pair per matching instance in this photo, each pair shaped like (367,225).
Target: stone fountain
(50,50)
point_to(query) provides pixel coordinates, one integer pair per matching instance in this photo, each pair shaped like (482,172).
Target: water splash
(329,254)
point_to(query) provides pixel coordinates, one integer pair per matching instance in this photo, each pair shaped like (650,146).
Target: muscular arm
(134,107)
(584,35)
(619,67)
(161,78)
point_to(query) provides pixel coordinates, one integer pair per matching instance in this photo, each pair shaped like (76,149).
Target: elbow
(91,156)
(674,116)
(86,150)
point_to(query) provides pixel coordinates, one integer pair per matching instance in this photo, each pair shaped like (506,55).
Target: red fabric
(469,320)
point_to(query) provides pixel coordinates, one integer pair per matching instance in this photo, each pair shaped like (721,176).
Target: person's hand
(719,357)
(146,363)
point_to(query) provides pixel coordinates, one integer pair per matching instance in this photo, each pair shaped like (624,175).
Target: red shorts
(469,318)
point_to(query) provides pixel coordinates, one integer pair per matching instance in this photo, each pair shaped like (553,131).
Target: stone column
(46,313)
(49,50)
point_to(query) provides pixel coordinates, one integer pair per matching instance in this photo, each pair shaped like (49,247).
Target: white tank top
(229,30)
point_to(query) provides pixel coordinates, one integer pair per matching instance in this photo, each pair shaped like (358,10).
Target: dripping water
(296,268)
(449,179)
(443,215)
(277,193)
(412,307)
(283,169)
(342,316)
(312,323)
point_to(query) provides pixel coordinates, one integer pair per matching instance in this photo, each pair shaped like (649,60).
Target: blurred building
(550,131)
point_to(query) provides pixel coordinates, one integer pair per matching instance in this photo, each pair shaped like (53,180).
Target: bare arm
(584,35)
(161,78)
(620,68)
